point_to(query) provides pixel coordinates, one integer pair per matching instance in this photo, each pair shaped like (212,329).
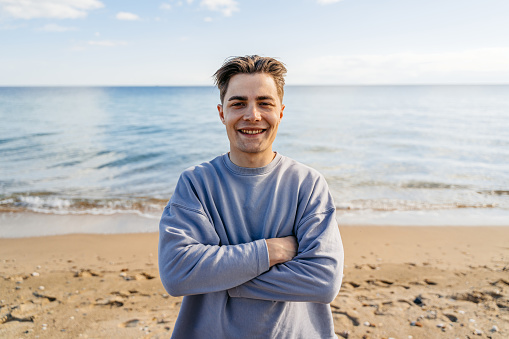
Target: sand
(400,282)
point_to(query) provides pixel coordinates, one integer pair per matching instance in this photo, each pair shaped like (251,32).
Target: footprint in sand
(130,323)
(139,276)
(112,302)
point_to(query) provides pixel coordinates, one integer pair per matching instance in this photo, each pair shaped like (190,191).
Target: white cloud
(327,2)
(58,9)
(165,6)
(56,28)
(207,19)
(107,43)
(470,66)
(227,7)
(127,16)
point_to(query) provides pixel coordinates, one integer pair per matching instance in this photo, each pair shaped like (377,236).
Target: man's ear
(281,114)
(221,113)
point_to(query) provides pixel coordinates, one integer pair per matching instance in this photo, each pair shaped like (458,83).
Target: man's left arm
(314,275)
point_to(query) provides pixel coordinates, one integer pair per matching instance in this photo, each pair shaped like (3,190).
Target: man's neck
(252,160)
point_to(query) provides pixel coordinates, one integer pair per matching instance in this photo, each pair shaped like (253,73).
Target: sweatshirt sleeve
(191,258)
(314,275)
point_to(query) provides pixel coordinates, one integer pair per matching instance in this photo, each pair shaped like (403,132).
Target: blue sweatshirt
(212,251)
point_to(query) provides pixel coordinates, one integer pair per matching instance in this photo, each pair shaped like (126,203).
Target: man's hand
(281,249)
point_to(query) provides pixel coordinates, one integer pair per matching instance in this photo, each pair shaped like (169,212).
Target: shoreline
(33,224)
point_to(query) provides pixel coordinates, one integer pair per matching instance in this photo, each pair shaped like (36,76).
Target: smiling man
(250,238)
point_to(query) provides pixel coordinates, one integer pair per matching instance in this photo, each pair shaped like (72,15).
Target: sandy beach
(400,282)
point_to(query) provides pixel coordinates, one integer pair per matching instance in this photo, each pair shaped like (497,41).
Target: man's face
(251,112)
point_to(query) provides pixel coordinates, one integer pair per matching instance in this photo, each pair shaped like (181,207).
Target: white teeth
(249,131)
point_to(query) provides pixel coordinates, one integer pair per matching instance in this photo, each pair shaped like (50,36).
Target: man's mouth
(251,131)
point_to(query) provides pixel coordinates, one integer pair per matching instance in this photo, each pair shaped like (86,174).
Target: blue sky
(172,42)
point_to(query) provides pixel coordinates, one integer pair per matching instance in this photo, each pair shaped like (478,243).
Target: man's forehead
(257,84)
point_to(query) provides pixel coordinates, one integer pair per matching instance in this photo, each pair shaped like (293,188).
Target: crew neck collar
(250,170)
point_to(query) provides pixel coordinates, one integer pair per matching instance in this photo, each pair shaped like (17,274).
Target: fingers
(281,249)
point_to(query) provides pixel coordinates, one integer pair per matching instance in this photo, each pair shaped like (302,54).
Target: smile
(251,131)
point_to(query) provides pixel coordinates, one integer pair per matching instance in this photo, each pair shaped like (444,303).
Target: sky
(322,42)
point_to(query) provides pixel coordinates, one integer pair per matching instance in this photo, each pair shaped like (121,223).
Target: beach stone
(451,317)
(418,301)
(35,274)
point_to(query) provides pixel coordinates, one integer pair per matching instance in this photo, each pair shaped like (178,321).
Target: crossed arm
(304,267)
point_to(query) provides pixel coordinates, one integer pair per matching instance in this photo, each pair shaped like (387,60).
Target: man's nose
(252,113)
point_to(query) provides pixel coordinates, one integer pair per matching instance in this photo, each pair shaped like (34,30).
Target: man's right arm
(192,261)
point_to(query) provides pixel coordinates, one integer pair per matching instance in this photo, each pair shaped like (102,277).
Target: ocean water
(412,155)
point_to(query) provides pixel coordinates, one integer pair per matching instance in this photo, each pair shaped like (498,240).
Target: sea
(392,155)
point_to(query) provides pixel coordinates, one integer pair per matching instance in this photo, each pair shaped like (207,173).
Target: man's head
(250,64)
(251,107)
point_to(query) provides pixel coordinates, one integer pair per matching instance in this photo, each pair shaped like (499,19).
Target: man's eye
(265,103)
(237,104)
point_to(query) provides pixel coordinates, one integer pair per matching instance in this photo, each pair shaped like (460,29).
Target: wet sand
(400,282)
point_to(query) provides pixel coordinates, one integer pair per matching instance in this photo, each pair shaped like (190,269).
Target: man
(250,238)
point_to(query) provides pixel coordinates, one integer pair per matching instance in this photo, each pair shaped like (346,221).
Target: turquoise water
(392,154)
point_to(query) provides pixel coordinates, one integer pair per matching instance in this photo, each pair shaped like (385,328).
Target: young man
(250,238)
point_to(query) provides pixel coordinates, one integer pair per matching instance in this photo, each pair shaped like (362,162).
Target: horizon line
(287,85)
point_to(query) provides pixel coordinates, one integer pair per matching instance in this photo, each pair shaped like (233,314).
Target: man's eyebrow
(244,98)
(265,97)
(237,97)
